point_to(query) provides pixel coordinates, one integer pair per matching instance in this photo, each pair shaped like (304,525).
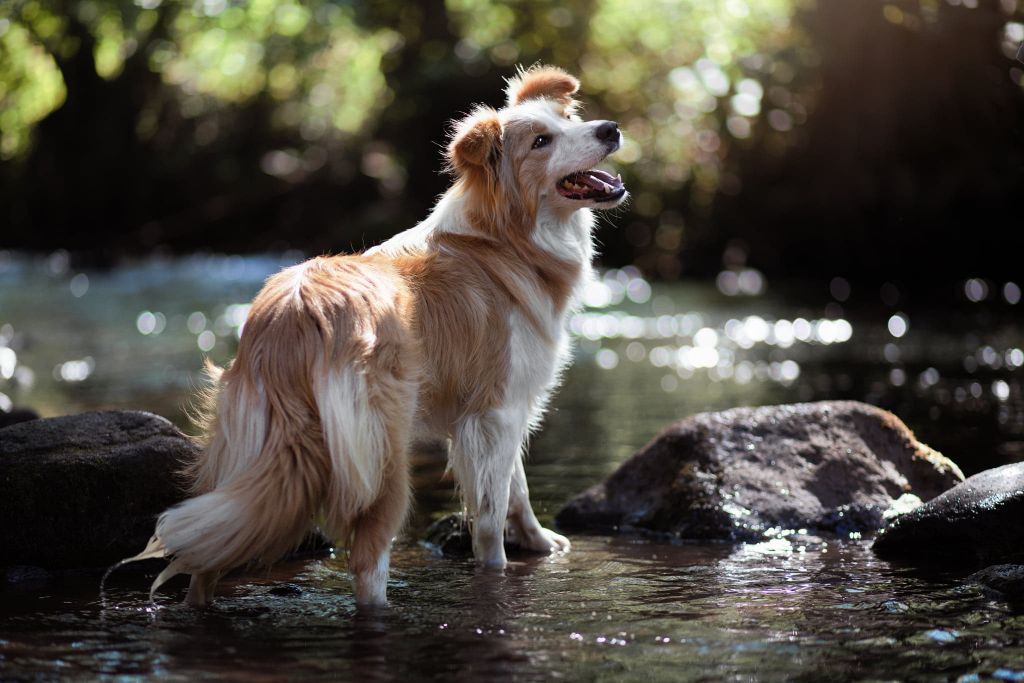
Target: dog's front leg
(529,533)
(485,449)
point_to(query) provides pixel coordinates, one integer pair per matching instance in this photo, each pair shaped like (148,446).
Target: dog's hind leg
(373,532)
(367,416)
(200,588)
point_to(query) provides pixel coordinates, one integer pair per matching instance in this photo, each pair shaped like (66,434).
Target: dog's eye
(541,141)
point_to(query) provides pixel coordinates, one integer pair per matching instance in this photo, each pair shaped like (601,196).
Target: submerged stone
(286,590)
(1007,579)
(85,490)
(979,522)
(740,475)
(450,536)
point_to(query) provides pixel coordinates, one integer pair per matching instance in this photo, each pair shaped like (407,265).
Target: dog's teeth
(571,185)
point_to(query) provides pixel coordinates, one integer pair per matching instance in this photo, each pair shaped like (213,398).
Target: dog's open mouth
(596,185)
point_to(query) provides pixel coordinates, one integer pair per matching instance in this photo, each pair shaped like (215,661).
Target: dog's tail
(260,516)
(321,463)
(263,491)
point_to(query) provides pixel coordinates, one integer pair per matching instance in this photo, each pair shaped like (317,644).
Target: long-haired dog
(454,330)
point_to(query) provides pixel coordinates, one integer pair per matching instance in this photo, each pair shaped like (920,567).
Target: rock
(979,522)
(286,590)
(85,490)
(17,415)
(450,536)
(1007,579)
(833,466)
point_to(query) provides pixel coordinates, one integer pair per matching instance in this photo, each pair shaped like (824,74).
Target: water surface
(613,609)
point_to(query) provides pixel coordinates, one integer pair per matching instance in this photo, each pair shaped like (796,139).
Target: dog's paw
(543,540)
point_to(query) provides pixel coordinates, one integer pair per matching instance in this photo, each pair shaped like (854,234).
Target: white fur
(242,431)
(298,274)
(447,217)
(575,148)
(371,587)
(194,529)
(187,527)
(483,455)
(356,438)
(568,238)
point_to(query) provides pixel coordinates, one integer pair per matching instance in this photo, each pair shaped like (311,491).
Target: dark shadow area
(883,142)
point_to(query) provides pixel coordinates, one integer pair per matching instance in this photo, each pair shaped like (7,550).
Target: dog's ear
(476,141)
(542,81)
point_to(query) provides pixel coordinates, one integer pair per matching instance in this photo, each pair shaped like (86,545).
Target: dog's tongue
(593,184)
(598,180)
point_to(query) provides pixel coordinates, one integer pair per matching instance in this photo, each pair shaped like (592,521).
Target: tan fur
(543,82)
(476,141)
(341,356)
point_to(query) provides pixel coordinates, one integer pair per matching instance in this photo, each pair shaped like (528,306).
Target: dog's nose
(608,131)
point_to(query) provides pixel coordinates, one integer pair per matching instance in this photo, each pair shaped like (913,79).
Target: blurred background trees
(873,140)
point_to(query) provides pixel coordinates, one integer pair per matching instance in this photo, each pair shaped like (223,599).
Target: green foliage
(30,87)
(682,76)
(220,98)
(688,77)
(680,73)
(310,58)
(322,70)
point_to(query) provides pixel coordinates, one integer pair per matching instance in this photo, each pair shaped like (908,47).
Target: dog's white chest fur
(538,356)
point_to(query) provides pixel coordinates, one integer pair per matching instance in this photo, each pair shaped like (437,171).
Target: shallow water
(612,609)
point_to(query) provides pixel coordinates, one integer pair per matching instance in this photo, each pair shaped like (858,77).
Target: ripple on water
(610,605)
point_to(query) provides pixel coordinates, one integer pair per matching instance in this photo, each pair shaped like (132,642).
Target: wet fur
(452,330)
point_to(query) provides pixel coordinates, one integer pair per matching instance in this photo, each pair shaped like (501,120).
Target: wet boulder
(16,415)
(1005,579)
(85,490)
(450,536)
(979,522)
(747,473)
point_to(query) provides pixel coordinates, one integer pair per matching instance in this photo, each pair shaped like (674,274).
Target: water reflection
(719,351)
(136,337)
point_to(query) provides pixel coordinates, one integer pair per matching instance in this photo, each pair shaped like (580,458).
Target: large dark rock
(981,521)
(1007,579)
(834,466)
(85,490)
(16,415)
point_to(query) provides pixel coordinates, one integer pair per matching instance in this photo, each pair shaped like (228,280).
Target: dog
(452,330)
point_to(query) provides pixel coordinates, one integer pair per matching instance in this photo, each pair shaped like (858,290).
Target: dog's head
(534,154)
